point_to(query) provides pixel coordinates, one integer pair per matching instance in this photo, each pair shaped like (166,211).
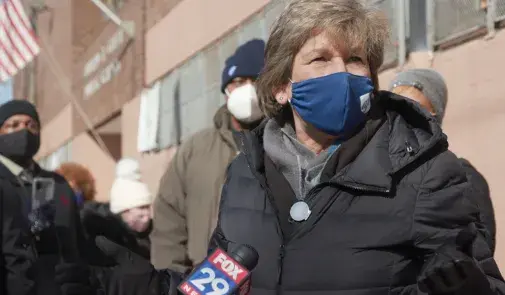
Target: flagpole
(127,26)
(63,81)
(30,92)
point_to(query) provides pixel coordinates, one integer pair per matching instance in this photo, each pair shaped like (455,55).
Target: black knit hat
(246,62)
(17,107)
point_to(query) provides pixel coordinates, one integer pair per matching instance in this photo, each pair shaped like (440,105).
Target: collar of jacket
(6,173)
(13,167)
(222,123)
(408,137)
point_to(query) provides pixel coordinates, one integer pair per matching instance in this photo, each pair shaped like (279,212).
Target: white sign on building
(107,73)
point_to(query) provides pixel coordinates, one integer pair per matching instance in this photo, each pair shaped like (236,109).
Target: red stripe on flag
(9,32)
(22,43)
(22,26)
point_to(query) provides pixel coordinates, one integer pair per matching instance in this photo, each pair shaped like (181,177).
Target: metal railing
(454,19)
(499,10)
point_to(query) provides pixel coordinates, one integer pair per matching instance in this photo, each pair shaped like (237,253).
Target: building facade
(98,90)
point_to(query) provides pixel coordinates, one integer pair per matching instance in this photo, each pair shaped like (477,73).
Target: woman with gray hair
(344,189)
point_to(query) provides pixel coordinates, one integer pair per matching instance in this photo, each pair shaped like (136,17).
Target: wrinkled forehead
(335,39)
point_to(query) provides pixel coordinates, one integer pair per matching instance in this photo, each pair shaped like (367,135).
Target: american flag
(18,44)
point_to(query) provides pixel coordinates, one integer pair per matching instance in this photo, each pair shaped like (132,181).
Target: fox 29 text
(218,274)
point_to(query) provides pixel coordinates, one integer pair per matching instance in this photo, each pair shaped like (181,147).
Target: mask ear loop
(290,81)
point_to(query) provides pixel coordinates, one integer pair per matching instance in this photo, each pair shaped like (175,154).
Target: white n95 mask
(243,104)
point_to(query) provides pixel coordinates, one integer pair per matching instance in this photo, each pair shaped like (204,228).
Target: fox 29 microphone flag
(222,274)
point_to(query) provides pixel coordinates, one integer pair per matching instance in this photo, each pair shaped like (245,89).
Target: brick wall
(118,73)
(87,25)
(54,64)
(70,33)
(157,9)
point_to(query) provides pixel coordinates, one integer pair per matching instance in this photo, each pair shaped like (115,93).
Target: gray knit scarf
(300,166)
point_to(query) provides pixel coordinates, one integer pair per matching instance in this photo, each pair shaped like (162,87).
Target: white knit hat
(127,194)
(128,168)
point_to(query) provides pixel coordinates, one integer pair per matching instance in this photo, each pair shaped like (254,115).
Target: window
(227,46)
(391,47)
(169,122)
(192,91)
(500,10)
(271,13)
(252,29)
(58,157)
(455,18)
(213,69)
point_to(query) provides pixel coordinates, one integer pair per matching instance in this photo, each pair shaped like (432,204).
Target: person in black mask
(41,232)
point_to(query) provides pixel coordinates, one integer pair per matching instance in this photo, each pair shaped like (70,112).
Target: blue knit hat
(246,62)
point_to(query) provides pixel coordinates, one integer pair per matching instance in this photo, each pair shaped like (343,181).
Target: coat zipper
(281,261)
(279,228)
(310,195)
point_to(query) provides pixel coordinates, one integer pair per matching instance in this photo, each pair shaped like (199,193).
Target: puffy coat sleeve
(169,236)
(480,191)
(444,208)
(17,250)
(67,221)
(218,239)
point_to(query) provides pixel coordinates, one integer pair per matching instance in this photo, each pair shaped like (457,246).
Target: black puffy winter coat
(27,264)
(391,195)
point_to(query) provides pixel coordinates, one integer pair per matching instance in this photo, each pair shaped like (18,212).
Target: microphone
(222,273)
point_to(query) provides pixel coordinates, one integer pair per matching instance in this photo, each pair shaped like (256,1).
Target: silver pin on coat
(300,211)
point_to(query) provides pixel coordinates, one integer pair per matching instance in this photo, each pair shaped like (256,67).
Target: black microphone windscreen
(246,255)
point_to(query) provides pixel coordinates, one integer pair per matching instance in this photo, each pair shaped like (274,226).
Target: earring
(281,99)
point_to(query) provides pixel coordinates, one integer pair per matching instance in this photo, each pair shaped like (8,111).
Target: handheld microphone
(222,273)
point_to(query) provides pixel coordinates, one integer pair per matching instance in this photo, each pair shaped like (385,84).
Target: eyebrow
(354,50)
(357,51)
(316,51)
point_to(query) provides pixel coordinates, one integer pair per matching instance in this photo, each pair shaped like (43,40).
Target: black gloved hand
(73,279)
(132,273)
(452,271)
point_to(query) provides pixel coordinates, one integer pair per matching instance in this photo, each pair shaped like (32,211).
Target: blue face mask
(335,104)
